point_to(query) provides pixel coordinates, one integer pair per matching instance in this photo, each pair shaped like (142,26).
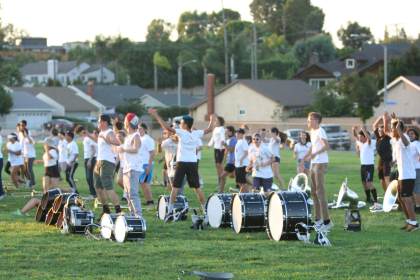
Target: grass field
(381,251)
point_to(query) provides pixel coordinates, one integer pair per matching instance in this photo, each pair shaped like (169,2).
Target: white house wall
(35,119)
(108,76)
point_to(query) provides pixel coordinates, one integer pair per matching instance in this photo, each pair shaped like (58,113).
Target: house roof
(289,93)
(412,80)
(172,99)
(92,68)
(114,95)
(41,68)
(23,100)
(64,96)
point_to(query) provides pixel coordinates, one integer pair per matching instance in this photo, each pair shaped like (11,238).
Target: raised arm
(153,112)
(366,135)
(212,124)
(404,139)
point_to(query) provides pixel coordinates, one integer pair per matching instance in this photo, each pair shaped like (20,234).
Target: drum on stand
(107,225)
(248,212)
(129,228)
(218,210)
(286,210)
(46,203)
(180,207)
(79,219)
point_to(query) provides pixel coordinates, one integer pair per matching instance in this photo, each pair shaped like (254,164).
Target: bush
(173,111)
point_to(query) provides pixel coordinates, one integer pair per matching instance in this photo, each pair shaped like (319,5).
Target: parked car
(60,124)
(337,137)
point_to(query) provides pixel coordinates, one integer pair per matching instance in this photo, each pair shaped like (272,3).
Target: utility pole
(385,74)
(254,31)
(225,46)
(155,76)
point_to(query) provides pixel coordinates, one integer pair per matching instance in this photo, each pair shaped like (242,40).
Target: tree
(133,105)
(269,13)
(162,62)
(6,102)
(159,31)
(361,91)
(172,111)
(354,35)
(9,73)
(321,45)
(406,65)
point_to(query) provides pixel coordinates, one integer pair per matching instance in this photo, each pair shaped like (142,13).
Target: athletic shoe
(376,207)
(411,228)
(328,227)
(18,213)
(318,224)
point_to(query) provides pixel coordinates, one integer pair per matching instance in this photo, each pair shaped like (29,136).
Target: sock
(412,222)
(375,195)
(326,222)
(105,209)
(368,195)
(117,209)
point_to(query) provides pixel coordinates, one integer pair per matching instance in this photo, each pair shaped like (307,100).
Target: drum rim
(219,219)
(117,230)
(164,197)
(104,226)
(269,231)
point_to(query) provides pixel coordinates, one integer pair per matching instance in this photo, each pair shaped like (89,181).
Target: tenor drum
(180,207)
(60,220)
(62,199)
(218,210)
(248,212)
(286,210)
(51,218)
(129,228)
(107,225)
(46,203)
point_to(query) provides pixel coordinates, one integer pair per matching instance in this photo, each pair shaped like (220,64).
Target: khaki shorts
(103,175)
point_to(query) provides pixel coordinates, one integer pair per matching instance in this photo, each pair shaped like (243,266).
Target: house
(167,100)
(65,72)
(26,107)
(369,59)
(65,101)
(98,73)
(73,45)
(403,97)
(257,101)
(33,44)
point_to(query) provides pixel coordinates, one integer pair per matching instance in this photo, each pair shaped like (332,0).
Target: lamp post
(180,65)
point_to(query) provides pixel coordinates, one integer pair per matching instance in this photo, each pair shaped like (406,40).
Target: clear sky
(79,20)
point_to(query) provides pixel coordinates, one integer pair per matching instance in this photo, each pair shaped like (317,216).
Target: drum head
(275,217)
(236,213)
(162,208)
(214,211)
(121,229)
(107,226)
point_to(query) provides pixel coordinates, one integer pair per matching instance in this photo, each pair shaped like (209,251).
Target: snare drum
(107,225)
(180,207)
(285,210)
(46,203)
(248,212)
(129,228)
(218,210)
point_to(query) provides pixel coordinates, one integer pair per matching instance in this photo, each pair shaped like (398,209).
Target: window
(350,63)
(319,83)
(242,112)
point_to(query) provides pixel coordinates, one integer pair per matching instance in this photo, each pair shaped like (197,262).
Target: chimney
(90,88)
(210,95)
(314,58)
(52,69)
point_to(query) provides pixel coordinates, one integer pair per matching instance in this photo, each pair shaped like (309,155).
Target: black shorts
(366,173)
(229,167)
(52,171)
(384,169)
(277,159)
(219,154)
(240,175)
(266,183)
(406,187)
(189,169)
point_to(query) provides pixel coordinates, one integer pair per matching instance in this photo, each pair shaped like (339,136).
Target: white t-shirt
(104,149)
(132,161)
(53,158)
(187,145)
(274,146)
(89,148)
(15,160)
(404,159)
(169,147)
(28,149)
(241,148)
(301,150)
(317,135)
(72,151)
(367,152)
(218,137)
(62,151)
(258,156)
(147,146)
(415,151)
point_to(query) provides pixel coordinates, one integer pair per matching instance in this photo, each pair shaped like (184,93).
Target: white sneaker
(327,228)
(376,207)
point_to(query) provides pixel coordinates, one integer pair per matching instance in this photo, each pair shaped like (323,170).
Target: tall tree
(6,101)
(354,35)
(320,45)
(270,13)
(159,31)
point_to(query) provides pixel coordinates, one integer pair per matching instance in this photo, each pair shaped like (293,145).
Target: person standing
(62,151)
(132,163)
(229,169)
(241,160)
(217,141)
(319,162)
(300,149)
(274,145)
(72,151)
(103,175)
(90,150)
(29,155)
(147,152)
(415,151)
(51,176)
(186,157)
(169,147)
(15,158)
(2,194)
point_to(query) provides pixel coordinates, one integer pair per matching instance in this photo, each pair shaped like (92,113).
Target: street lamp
(180,65)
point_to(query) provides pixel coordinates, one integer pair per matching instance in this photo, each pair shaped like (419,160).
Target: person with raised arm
(186,157)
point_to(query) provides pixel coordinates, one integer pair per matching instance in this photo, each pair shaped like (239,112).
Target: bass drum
(46,203)
(248,212)
(180,207)
(107,225)
(129,228)
(218,210)
(285,210)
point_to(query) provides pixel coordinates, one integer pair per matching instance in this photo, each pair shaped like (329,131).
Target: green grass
(381,251)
